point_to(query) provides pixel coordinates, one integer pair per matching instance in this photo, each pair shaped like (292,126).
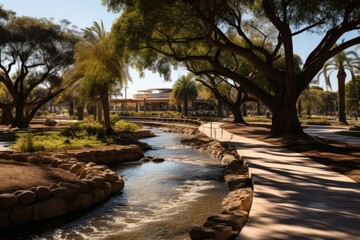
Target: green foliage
(82,130)
(257,119)
(315,121)
(349,133)
(353,94)
(354,128)
(26,144)
(126,126)
(54,141)
(114,117)
(184,90)
(211,37)
(42,113)
(45,50)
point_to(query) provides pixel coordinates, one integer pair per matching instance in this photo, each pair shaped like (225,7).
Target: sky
(82,13)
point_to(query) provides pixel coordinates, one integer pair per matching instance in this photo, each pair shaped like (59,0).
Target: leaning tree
(190,32)
(33,54)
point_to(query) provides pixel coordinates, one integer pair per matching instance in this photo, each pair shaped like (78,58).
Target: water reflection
(159,201)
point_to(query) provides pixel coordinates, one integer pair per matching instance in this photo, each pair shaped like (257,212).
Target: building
(155,99)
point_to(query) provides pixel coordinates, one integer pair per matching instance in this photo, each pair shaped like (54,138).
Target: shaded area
(313,206)
(340,157)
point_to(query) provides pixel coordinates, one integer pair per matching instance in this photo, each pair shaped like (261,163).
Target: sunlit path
(295,197)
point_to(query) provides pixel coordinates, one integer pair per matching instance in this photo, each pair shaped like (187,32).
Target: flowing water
(159,201)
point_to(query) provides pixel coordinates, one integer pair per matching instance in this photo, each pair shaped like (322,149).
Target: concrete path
(295,197)
(328,132)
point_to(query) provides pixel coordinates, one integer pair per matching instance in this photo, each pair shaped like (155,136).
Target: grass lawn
(349,133)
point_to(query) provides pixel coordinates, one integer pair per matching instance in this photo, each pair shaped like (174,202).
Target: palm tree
(342,62)
(98,68)
(184,90)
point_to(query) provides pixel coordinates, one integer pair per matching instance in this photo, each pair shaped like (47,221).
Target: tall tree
(98,68)
(210,31)
(340,63)
(184,90)
(353,95)
(34,53)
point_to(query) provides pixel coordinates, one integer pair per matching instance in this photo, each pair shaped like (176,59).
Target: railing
(143,119)
(149,96)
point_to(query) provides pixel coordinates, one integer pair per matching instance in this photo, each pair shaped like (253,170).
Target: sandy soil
(21,176)
(342,158)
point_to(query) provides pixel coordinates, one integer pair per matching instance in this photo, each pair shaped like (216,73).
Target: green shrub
(114,117)
(26,143)
(126,126)
(354,128)
(79,130)
(257,119)
(54,141)
(42,112)
(316,121)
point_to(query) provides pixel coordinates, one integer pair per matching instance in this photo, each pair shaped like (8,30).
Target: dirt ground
(21,176)
(342,158)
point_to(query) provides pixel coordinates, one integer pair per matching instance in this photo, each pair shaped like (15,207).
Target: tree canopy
(201,35)
(98,68)
(34,54)
(184,90)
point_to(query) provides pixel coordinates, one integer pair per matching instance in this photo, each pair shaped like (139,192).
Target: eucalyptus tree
(188,32)
(340,63)
(34,53)
(184,91)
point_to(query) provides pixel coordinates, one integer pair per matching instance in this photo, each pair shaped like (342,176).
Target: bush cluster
(51,142)
(86,129)
(126,126)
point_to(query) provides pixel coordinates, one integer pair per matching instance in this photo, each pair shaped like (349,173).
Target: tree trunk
(80,112)
(6,118)
(95,111)
(308,112)
(258,108)
(20,119)
(106,109)
(244,109)
(186,107)
(341,96)
(219,110)
(285,120)
(100,111)
(238,117)
(299,108)
(71,108)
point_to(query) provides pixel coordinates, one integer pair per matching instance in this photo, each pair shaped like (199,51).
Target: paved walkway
(295,197)
(328,132)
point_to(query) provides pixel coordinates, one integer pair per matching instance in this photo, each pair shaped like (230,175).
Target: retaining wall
(93,184)
(237,204)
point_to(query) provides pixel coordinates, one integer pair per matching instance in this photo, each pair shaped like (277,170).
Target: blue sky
(83,13)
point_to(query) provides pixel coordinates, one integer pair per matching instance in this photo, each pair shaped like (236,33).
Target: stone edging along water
(237,204)
(94,183)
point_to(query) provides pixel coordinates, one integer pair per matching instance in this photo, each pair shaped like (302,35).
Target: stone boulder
(240,199)
(50,122)
(8,200)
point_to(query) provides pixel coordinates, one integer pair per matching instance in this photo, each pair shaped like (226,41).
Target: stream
(160,201)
